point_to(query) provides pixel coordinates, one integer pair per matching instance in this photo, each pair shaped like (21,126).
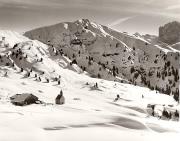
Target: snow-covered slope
(12,37)
(31,56)
(104,53)
(86,110)
(25,66)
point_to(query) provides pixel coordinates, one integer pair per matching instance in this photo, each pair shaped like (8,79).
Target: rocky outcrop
(170,33)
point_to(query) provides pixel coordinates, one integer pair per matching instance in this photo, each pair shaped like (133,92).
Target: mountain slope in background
(112,55)
(170,33)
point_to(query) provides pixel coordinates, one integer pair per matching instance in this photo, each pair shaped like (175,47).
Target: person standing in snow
(96,85)
(117,98)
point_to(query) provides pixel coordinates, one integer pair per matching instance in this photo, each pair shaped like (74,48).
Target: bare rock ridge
(170,33)
(112,55)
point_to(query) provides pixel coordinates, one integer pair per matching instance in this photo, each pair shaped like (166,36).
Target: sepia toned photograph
(89,70)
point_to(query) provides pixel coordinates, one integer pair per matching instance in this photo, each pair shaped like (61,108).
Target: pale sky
(143,16)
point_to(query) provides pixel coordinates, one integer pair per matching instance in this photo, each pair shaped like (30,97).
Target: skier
(117,98)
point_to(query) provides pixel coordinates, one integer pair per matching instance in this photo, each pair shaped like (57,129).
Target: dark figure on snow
(117,98)
(96,85)
(21,69)
(153,106)
(153,113)
(55,79)
(41,59)
(176,114)
(47,80)
(166,114)
(42,73)
(28,74)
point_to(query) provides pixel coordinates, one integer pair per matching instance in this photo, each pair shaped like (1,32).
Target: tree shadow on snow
(157,128)
(128,123)
(132,108)
(117,121)
(94,88)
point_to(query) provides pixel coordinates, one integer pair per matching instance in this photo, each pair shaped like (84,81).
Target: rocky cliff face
(112,55)
(170,33)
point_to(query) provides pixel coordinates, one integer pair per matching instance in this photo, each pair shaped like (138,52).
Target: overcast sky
(144,16)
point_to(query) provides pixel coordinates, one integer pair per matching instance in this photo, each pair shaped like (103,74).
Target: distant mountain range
(143,60)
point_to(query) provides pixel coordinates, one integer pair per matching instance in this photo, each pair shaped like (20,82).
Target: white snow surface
(12,37)
(86,115)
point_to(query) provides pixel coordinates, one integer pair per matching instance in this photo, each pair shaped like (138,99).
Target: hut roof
(22,97)
(59,96)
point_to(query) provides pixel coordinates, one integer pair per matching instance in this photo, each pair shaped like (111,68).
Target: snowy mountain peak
(83,21)
(109,54)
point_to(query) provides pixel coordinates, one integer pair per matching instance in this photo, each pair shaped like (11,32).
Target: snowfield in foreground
(87,114)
